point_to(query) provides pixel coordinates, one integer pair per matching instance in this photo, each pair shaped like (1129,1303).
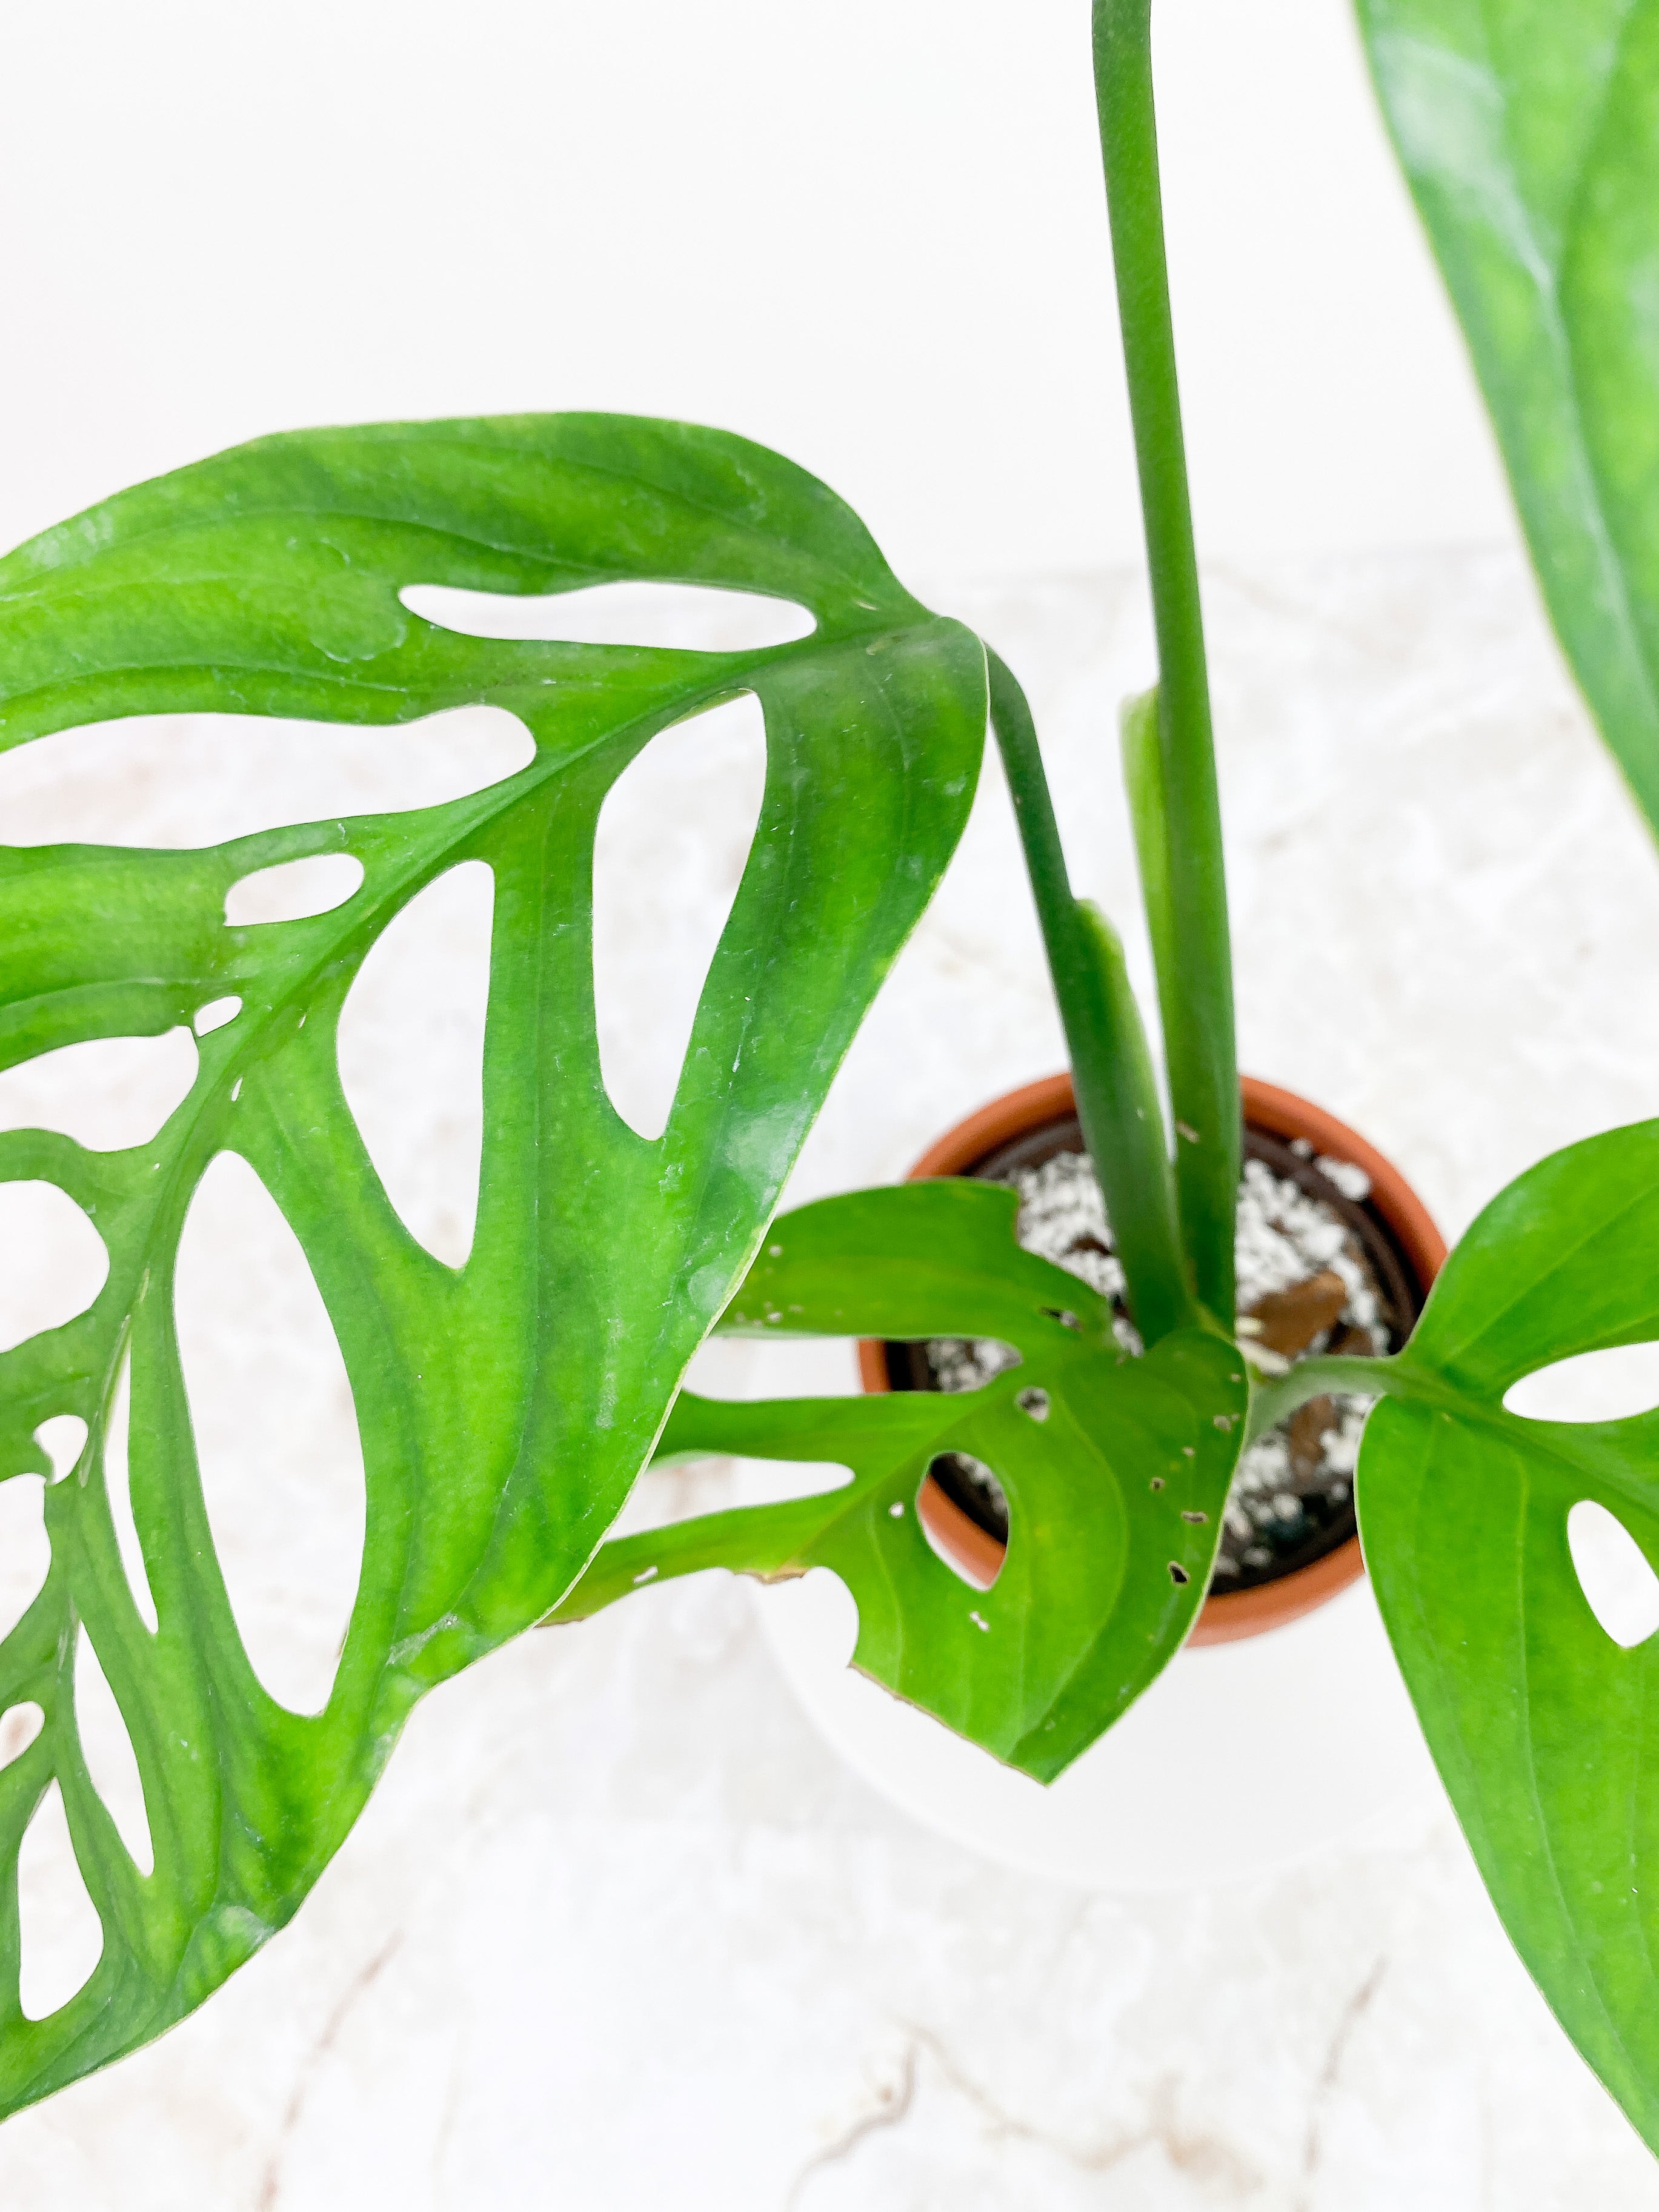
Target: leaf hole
(111,1762)
(1033,1401)
(161,780)
(673,838)
(18,1727)
(958,1495)
(215,1015)
(276,1432)
(25,1548)
(62,1937)
(1609,1385)
(55,1261)
(411,1049)
(684,617)
(1621,1587)
(1178,1574)
(118,1491)
(680,1491)
(108,1094)
(1062,1315)
(63,1438)
(293,890)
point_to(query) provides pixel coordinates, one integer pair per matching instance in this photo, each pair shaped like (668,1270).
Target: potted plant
(507,1405)
(1335,1252)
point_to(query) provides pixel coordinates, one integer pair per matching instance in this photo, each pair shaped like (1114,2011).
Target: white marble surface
(620,1931)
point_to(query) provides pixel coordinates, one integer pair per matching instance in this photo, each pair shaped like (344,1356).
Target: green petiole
(1172,774)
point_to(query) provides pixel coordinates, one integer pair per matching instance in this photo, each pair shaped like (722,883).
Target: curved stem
(1178,789)
(1111,1065)
(1396,1376)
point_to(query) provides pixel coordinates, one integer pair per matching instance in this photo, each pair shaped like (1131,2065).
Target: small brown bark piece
(1287,1321)
(1308,1427)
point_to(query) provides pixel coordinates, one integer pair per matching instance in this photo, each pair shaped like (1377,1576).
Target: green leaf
(506,1406)
(1545,1730)
(1530,131)
(1116,1471)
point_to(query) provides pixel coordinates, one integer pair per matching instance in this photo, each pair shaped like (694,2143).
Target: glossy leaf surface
(1115,1485)
(505,1407)
(1545,1729)
(1530,136)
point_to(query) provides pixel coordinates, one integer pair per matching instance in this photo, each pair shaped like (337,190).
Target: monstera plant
(506,1405)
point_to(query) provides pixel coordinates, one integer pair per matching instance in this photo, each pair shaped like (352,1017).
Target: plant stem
(1273,1401)
(1396,1376)
(1195,974)
(1111,1065)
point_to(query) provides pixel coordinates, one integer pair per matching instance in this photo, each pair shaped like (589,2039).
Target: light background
(620,1929)
(871,233)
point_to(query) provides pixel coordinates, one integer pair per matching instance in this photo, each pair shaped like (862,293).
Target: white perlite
(1285,1237)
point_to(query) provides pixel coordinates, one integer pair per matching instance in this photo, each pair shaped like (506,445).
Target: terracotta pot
(1416,1242)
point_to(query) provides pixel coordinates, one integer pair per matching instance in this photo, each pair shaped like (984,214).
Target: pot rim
(1225,1616)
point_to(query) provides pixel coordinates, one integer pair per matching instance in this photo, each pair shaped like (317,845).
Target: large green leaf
(506,1406)
(1529,130)
(1545,1729)
(1116,1471)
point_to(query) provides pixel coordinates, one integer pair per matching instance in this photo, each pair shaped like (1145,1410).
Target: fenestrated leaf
(1115,1485)
(1546,1731)
(506,1407)
(1530,134)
